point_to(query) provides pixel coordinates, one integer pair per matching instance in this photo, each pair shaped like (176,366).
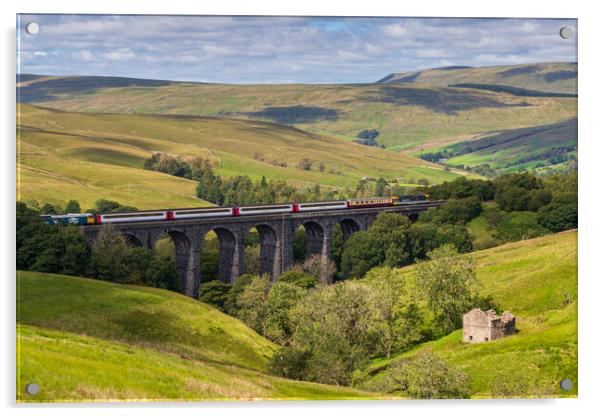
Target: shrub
(214,293)
(558,216)
(425,376)
(290,363)
(299,278)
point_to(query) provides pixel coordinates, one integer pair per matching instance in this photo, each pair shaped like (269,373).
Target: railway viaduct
(276,233)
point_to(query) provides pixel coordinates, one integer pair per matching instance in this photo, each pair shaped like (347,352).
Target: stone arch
(268,239)
(315,238)
(132,240)
(349,226)
(230,258)
(184,259)
(413,217)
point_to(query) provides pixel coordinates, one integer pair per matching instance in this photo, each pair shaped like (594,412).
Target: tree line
(553,198)
(62,249)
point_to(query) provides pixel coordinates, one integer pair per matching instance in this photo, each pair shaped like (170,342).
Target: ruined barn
(484,326)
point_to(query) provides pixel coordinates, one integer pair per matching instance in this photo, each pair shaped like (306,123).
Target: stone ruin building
(484,326)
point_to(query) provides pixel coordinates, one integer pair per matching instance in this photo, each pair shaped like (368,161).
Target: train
(213,212)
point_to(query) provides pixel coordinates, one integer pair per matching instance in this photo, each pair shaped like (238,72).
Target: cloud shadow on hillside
(296,114)
(440,101)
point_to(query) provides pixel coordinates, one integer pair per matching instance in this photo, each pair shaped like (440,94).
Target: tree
(281,298)
(48,209)
(161,272)
(429,236)
(335,325)
(252,306)
(322,268)
(231,304)
(398,317)
(298,278)
(447,282)
(381,187)
(424,376)
(75,258)
(105,206)
(455,211)
(305,164)
(290,363)
(109,256)
(72,207)
(214,293)
(558,215)
(361,252)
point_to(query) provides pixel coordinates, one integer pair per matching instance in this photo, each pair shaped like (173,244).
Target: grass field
(548,77)
(516,149)
(86,156)
(83,339)
(537,281)
(512,226)
(409,116)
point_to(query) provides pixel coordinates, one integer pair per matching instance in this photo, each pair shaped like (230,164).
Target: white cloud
(266,49)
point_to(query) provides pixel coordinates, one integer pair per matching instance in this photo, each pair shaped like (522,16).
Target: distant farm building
(484,326)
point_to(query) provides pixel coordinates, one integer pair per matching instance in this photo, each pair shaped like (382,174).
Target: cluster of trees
(101,206)
(329,333)
(553,198)
(177,166)
(368,138)
(62,249)
(392,240)
(241,190)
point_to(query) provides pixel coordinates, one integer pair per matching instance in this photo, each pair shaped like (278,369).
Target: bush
(455,211)
(214,293)
(231,304)
(298,278)
(161,272)
(424,376)
(558,216)
(323,269)
(290,363)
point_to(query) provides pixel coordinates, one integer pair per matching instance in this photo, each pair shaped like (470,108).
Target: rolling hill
(537,281)
(409,116)
(559,77)
(89,340)
(516,149)
(87,156)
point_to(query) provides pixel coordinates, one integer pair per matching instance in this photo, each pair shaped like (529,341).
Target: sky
(243,50)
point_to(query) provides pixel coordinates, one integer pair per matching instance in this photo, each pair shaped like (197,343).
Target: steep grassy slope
(517,149)
(83,339)
(550,77)
(408,116)
(537,281)
(90,156)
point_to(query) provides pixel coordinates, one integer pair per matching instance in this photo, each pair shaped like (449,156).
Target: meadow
(83,339)
(516,149)
(86,156)
(553,77)
(537,281)
(410,116)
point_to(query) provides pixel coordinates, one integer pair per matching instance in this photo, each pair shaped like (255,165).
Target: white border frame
(590,151)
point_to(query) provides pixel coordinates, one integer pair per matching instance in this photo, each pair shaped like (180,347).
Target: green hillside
(517,149)
(408,116)
(537,281)
(560,77)
(83,339)
(87,156)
